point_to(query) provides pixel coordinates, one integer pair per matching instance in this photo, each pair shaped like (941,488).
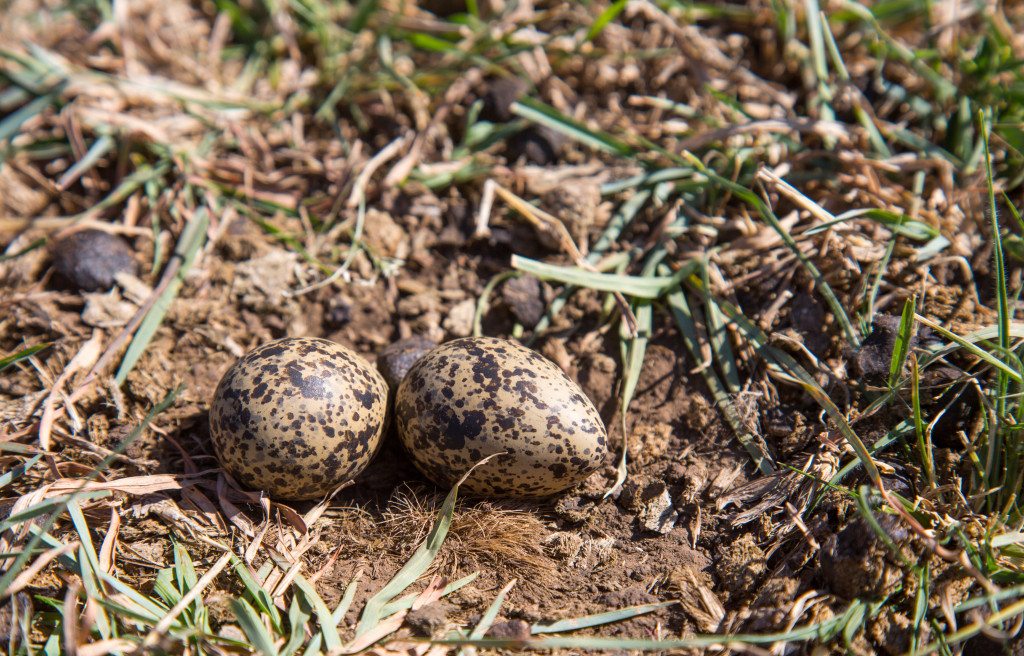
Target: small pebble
(89,259)
(510,630)
(498,99)
(395,360)
(537,145)
(524,296)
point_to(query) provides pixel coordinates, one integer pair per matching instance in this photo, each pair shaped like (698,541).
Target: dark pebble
(395,360)
(524,296)
(982,645)
(89,259)
(510,630)
(429,619)
(537,145)
(338,313)
(498,99)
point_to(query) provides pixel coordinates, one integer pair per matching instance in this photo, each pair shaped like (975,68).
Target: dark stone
(536,144)
(510,630)
(429,619)
(807,315)
(524,296)
(982,645)
(396,359)
(89,259)
(498,99)
(871,361)
(338,313)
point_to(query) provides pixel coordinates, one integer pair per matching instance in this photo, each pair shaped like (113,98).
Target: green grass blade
(413,569)
(192,238)
(607,16)
(753,444)
(635,286)
(99,148)
(902,346)
(598,619)
(9,360)
(407,601)
(38,243)
(298,615)
(768,215)
(548,116)
(328,628)
(968,344)
(10,126)
(18,471)
(256,593)
(89,565)
(487,619)
(253,627)
(346,600)
(633,350)
(164,586)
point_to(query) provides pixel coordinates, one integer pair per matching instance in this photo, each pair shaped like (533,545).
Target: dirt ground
(695,521)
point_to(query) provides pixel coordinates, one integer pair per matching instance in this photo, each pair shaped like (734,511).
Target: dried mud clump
(741,565)
(855,562)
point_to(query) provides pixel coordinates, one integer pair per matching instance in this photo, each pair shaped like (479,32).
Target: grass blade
(635,286)
(413,569)
(753,444)
(18,471)
(253,627)
(598,619)
(407,601)
(487,619)
(633,350)
(550,117)
(328,628)
(192,237)
(605,17)
(902,346)
(9,360)
(256,592)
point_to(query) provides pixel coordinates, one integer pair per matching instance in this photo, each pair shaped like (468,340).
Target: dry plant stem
(358,194)
(541,219)
(165,623)
(793,194)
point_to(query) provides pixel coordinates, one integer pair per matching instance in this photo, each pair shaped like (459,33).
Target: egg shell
(477,396)
(297,417)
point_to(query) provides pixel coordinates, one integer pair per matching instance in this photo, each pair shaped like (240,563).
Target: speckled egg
(477,396)
(297,417)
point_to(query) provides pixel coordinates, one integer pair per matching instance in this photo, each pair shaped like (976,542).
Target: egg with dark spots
(297,417)
(478,396)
